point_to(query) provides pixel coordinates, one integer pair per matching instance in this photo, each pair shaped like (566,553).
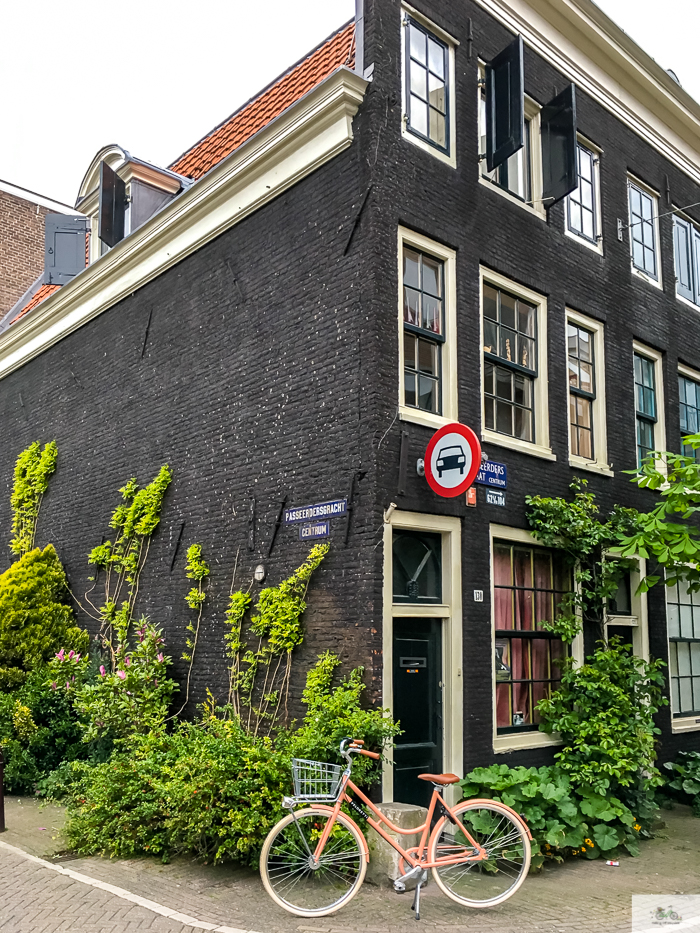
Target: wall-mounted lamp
(260,573)
(420,466)
(387,512)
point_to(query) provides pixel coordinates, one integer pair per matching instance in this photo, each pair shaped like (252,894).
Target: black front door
(418,706)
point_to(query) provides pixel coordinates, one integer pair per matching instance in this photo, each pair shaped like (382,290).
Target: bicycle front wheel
(290,874)
(493,880)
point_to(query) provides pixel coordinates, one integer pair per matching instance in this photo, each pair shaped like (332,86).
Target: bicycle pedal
(399,887)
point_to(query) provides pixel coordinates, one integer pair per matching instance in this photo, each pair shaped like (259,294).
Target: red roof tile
(36,299)
(338,50)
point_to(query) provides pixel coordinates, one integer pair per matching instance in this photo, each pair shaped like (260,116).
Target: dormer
(119,193)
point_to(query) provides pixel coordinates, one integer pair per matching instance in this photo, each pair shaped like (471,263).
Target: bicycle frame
(423,829)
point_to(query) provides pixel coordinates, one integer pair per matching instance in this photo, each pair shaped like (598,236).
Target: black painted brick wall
(271,369)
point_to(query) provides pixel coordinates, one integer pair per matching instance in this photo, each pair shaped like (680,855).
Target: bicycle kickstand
(415,906)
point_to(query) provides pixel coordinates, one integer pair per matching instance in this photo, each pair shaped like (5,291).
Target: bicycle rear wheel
(484,883)
(288,871)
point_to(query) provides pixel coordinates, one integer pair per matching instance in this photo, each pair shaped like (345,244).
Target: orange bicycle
(314,860)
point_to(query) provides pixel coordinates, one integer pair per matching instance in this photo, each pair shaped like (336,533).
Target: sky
(156,77)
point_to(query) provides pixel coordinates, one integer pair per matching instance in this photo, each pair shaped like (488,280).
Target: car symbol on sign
(450,458)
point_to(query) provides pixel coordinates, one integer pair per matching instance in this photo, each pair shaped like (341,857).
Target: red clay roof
(338,50)
(36,299)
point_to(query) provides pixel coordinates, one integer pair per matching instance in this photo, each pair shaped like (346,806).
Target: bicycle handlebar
(348,745)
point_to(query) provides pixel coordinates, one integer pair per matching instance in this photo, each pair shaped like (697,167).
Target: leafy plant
(33,469)
(134,520)
(604,712)
(197,569)
(36,617)
(686,778)
(563,819)
(133,698)
(276,623)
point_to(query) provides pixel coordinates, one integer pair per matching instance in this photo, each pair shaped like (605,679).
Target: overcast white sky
(156,77)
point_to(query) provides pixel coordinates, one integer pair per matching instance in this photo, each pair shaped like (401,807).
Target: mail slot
(413,662)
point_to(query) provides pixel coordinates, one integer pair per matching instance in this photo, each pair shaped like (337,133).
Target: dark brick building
(328,278)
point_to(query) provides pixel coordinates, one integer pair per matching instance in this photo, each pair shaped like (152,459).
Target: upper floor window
(582,205)
(519,174)
(689,411)
(645,405)
(510,363)
(428,79)
(643,230)
(581,389)
(427,384)
(686,248)
(514,340)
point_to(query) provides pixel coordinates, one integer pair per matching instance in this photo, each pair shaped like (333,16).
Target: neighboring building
(22,216)
(354,259)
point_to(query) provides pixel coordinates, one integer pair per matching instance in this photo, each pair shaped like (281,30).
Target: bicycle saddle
(439,778)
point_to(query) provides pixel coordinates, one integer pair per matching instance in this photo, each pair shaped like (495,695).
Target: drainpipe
(360,37)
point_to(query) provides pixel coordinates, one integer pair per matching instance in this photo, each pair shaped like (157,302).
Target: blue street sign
(492,474)
(309,513)
(314,530)
(495,497)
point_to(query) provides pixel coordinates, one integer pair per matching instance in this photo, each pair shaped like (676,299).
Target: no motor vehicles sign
(452,460)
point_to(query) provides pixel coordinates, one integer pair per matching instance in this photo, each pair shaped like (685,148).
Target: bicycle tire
(301,890)
(503,835)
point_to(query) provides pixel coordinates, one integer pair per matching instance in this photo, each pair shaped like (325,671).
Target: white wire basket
(316,780)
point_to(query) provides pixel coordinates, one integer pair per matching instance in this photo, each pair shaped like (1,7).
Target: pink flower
(77,657)
(128,662)
(160,656)
(60,655)
(102,670)
(68,685)
(54,685)
(70,655)
(121,675)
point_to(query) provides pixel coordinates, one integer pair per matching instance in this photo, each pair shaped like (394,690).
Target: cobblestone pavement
(577,896)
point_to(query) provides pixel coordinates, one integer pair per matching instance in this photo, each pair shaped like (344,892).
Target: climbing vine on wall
(33,469)
(134,520)
(259,677)
(197,569)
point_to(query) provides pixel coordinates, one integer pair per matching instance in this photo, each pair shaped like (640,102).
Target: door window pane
(417,567)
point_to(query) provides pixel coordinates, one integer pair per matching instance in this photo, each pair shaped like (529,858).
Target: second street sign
(492,474)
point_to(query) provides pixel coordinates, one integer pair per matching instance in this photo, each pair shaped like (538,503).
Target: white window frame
(694,376)
(597,247)
(449,157)
(633,180)
(541,447)
(660,430)
(450,611)
(638,621)
(448,367)
(599,464)
(682,723)
(532,114)
(695,260)
(514,741)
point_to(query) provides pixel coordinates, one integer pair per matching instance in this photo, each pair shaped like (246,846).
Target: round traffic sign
(452,459)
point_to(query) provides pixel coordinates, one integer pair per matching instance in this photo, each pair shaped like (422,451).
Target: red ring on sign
(475,447)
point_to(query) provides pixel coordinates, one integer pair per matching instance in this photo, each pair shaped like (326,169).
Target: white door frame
(450,611)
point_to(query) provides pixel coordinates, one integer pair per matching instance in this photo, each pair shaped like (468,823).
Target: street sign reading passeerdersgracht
(309,513)
(492,474)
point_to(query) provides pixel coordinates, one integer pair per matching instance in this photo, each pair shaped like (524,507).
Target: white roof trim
(25,195)
(590,49)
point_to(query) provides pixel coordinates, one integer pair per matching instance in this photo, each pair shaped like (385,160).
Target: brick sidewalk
(578,896)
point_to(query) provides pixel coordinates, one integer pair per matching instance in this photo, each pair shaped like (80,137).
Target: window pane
(502,574)
(411,268)
(419,115)
(490,336)
(437,128)
(436,93)
(417,567)
(522,566)
(428,395)
(587,225)
(507,310)
(432,276)
(431,314)
(504,418)
(419,81)
(488,378)
(410,381)
(585,351)
(436,57)
(417,40)
(409,349)
(427,357)
(523,424)
(411,306)
(490,303)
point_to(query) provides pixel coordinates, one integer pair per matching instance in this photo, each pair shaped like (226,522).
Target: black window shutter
(112,206)
(64,247)
(505,105)
(559,163)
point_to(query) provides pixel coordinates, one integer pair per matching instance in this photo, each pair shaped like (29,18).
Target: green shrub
(211,788)
(39,729)
(604,711)
(36,618)
(686,779)
(132,698)
(563,819)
